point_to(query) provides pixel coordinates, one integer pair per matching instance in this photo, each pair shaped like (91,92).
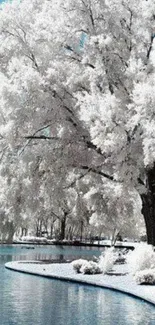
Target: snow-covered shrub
(143,257)
(107,260)
(90,268)
(77,264)
(145,277)
(86,267)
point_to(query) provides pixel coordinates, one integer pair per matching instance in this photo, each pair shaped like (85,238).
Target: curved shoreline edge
(20,267)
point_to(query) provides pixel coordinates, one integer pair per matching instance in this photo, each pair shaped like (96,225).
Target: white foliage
(143,257)
(101,98)
(146,276)
(90,267)
(77,264)
(107,260)
(86,267)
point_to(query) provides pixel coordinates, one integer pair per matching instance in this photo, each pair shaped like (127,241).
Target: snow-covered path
(124,283)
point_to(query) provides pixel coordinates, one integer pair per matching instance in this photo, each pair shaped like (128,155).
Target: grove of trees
(77,115)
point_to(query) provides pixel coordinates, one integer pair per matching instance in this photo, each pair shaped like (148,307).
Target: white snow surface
(64,271)
(118,243)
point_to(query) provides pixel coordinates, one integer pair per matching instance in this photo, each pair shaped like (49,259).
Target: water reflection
(30,300)
(13,253)
(42,301)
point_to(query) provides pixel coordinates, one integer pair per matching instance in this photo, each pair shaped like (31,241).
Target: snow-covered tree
(118,105)
(115,211)
(77,82)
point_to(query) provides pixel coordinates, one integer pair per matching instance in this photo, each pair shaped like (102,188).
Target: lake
(32,300)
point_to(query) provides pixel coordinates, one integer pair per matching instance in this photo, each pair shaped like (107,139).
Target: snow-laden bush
(145,277)
(77,264)
(107,260)
(86,267)
(143,257)
(90,268)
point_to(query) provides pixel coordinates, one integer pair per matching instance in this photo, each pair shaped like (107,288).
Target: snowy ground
(124,283)
(118,243)
(43,240)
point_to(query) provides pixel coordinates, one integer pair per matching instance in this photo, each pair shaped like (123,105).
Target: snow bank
(123,283)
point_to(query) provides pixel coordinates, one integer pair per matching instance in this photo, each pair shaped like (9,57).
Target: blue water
(32,300)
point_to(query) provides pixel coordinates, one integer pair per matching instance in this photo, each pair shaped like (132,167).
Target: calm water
(32,300)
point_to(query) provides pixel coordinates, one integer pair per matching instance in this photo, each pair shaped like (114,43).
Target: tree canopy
(77,103)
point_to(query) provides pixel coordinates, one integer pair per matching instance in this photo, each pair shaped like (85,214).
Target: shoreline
(64,272)
(130,247)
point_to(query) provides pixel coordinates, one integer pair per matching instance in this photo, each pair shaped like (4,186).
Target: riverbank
(118,245)
(119,279)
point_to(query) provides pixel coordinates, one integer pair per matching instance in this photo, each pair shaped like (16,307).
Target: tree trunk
(148,206)
(114,236)
(69,233)
(23,232)
(81,230)
(11,232)
(37,231)
(51,230)
(63,227)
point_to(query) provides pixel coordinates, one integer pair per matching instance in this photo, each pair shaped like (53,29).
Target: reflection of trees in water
(61,257)
(60,253)
(19,257)
(5,258)
(38,256)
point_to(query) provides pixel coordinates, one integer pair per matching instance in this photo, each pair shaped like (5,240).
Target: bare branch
(33,59)
(41,137)
(93,147)
(95,171)
(55,215)
(77,179)
(78,60)
(150,47)
(121,58)
(31,137)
